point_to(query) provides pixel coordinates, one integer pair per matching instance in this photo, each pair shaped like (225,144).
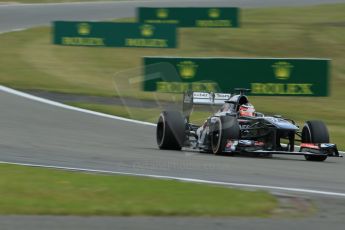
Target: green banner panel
(190,16)
(114,34)
(264,76)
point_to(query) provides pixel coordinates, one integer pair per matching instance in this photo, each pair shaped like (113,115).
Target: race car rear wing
(202,98)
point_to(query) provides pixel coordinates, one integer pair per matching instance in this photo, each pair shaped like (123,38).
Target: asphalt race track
(34,132)
(19,16)
(37,133)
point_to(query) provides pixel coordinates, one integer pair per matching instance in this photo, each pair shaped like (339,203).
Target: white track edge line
(54,103)
(13,30)
(57,104)
(184,179)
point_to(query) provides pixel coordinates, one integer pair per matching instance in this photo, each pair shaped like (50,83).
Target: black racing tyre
(315,132)
(223,129)
(170,132)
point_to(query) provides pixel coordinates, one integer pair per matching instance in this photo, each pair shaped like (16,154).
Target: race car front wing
(311,149)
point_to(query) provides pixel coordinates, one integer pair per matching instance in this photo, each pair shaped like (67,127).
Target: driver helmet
(247,110)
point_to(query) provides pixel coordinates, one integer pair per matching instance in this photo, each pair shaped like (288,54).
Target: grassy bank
(52,1)
(30,61)
(28,191)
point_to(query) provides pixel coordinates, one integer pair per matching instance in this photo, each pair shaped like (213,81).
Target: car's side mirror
(257,114)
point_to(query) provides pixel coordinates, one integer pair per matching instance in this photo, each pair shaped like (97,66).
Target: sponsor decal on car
(231,146)
(259,143)
(310,146)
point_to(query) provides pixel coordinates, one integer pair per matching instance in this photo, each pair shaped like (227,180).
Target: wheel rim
(160,130)
(306,134)
(216,137)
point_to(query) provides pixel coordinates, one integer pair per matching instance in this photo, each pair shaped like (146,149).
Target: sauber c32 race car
(238,128)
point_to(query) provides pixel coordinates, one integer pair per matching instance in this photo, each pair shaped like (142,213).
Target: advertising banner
(264,76)
(190,16)
(114,34)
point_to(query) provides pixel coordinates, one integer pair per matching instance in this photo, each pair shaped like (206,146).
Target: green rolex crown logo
(84,28)
(282,70)
(214,13)
(162,13)
(187,69)
(147,30)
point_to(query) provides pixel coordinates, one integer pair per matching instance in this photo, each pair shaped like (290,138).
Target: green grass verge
(54,1)
(30,61)
(27,190)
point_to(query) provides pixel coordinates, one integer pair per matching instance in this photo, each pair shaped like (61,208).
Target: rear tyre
(223,129)
(170,132)
(315,132)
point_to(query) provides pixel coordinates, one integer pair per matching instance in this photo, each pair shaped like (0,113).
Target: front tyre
(315,132)
(170,132)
